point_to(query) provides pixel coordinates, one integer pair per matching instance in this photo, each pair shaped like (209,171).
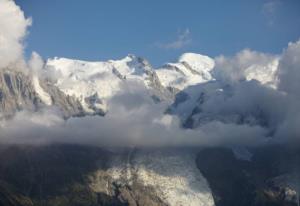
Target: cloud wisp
(269,10)
(183,39)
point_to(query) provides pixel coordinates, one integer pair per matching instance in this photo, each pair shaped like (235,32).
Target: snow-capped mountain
(94,83)
(82,88)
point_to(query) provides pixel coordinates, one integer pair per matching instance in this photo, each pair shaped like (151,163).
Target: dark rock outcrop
(260,182)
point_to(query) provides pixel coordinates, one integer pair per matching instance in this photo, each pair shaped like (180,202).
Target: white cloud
(13,26)
(133,120)
(144,126)
(289,69)
(36,63)
(183,39)
(248,65)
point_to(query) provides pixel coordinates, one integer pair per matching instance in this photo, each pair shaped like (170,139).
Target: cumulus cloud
(289,69)
(36,67)
(253,102)
(289,83)
(36,63)
(247,65)
(13,26)
(183,39)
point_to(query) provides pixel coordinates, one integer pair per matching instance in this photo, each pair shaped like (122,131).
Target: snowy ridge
(191,69)
(198,62)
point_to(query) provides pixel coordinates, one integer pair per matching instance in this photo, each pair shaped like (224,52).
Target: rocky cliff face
(18,92)
(69,106)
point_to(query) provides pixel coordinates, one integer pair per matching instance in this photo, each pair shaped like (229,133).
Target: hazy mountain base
(80,175)
(48,175)
(61,175)
(271,178)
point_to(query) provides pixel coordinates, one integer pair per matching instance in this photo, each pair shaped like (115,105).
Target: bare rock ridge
(69,105)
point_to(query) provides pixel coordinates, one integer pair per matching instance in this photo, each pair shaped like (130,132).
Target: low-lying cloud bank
(134,120)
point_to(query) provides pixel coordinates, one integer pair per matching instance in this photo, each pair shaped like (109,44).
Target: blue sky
(158,30)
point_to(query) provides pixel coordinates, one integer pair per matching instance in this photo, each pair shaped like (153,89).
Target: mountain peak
(198,62)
